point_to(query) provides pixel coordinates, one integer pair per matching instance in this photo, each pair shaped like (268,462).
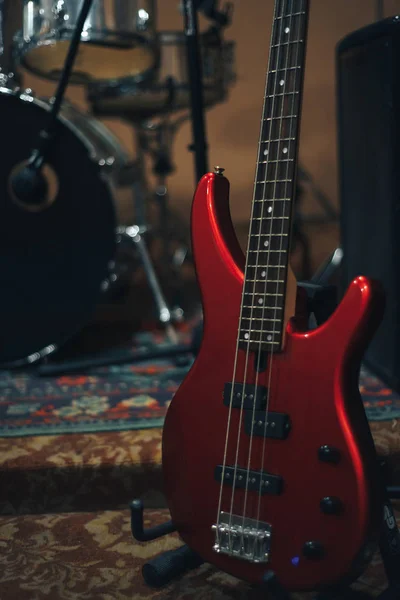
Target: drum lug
(106,163)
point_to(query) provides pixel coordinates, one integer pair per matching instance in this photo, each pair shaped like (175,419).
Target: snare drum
(118,39)
(53,260)
(170,91)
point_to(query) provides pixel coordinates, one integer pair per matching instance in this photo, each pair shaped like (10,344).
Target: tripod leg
(164,313)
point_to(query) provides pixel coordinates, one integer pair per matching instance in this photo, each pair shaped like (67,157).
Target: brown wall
(233,126)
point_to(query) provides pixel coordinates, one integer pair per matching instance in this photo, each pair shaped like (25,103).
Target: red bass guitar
(268,460)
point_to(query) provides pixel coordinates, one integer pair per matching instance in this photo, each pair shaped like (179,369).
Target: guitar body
(314,380)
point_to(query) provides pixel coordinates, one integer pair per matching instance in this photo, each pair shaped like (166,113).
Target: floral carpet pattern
(121,398)
(92,556)
(114,398)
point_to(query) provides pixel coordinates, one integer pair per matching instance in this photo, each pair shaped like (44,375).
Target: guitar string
(235,366)
(301,28)
(267,143)
(250,320)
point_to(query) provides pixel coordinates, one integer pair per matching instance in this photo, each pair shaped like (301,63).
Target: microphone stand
(28,182)
(199,145)
(182,352)
(190,8)
(380,10)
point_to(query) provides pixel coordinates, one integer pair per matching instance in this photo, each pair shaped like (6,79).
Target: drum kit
(59,241)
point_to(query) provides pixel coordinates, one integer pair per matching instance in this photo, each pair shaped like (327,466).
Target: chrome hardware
(243,538)
(219,170)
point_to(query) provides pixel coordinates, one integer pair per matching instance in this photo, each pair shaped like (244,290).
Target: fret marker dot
(269,338)
(246,336)
(270,209)
(285,151)
(260,301)
(282,82)
(263,273)
(287,29)
(266,243)
(265,152)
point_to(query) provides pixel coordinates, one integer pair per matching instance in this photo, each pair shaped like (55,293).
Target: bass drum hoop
(97,138)
(71,125)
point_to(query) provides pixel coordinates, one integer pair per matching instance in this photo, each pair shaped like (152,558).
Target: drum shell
(169,90)
(52,262)
(118,38)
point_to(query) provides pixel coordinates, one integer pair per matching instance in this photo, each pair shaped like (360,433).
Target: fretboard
(263,301)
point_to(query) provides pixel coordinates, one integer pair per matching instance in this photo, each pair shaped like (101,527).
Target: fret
(262,272)
(278,127)
(290,15)
(274,275)
(283,80)
(270,287)
(271,332)
(274,71)
(286,56)
(261,322)
(268,220)
(272,149)
(279,117)
(261,232)
(282,105)
(261,200)
(291,139)
(279,169)
(289,9)
(268,190)
(246,322)
(275,242)
(260,337)
(267,313)
(286,43)
(258,280)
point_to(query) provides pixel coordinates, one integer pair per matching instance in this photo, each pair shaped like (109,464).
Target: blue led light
(295,561)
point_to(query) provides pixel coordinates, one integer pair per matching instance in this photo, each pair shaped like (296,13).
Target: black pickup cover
(253,395)
(278,424)
(254,481)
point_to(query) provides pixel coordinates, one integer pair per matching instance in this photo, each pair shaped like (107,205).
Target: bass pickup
(245,395)
(253,481)
(267,424)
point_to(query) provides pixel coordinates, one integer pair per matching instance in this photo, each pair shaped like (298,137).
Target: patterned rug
(115,398)
(92,556)
(122,398)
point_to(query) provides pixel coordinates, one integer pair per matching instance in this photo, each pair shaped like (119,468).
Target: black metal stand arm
(167,566)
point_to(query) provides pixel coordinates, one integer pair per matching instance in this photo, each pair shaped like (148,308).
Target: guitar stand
(170,565)
(173,564)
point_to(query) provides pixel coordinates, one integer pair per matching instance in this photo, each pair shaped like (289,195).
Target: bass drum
(53,259)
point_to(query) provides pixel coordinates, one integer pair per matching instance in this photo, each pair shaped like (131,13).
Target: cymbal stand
(156,139)
(135,235)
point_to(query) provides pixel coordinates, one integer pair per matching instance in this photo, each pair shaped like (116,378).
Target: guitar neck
(264,293)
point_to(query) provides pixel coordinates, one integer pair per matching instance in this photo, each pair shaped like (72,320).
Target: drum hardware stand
(183,353)
(222,19)
(164,313)
(380,10)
